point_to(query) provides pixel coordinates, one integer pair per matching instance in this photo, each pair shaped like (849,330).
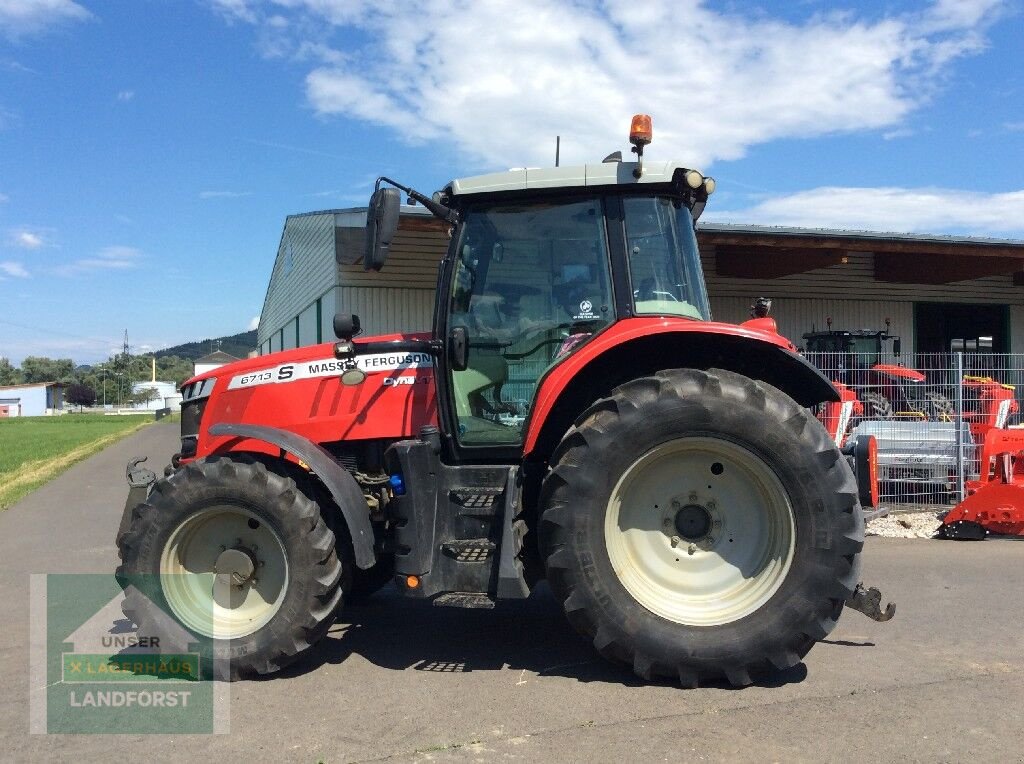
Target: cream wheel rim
(700,531)
(224,572)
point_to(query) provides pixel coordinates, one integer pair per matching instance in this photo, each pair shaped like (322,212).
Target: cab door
(528,282)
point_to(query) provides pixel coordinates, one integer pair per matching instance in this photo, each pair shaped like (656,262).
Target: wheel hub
(693,522)
(237,565)
(213,580)
(721,538)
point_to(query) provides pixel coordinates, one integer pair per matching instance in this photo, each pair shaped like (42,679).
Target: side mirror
(381,226)
(458,348)
(896,347)
(346,326)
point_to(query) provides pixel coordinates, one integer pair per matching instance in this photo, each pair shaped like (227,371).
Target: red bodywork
(995,403)
(280,391)
(553,384)
(893,370)
(391,403)
(996,500)
(837,415)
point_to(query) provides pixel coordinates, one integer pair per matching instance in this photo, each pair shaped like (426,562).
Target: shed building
(33,399)
(939,293)
(212,361)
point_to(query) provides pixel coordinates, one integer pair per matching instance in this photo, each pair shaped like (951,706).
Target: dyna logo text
(327,367)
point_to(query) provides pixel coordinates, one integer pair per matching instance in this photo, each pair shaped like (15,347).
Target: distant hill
(238,345)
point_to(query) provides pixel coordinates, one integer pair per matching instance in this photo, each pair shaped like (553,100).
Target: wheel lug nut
(691,549)
(675,541)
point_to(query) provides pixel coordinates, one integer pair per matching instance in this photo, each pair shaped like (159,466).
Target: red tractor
(573,415)
(886,390)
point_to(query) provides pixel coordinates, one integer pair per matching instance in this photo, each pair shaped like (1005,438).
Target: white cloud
(115,258)
(27,238)
(223,194)
(1014,127)
(13,269)
(905,210)
(903,132)
(240,10)
(125,95)
(254,324)
(498,81)
(4,198)
(26,17)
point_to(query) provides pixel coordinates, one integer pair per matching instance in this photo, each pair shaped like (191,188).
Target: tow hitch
(869,602)
(139,481)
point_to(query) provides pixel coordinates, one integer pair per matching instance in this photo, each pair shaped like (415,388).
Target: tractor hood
(301,391)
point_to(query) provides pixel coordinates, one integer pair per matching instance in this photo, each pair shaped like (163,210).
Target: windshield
(664,264)
(531,284)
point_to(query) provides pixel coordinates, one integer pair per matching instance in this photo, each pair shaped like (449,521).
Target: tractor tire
(940,408)
(233,558)
(700,524)
(876,406)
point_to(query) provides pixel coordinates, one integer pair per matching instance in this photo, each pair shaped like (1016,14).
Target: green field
(34,450)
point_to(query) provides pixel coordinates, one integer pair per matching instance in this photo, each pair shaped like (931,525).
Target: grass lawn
(34,450)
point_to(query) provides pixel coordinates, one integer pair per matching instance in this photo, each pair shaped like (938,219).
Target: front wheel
(699,524)
(235,559)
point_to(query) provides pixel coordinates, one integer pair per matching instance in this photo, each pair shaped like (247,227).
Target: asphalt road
(405,681)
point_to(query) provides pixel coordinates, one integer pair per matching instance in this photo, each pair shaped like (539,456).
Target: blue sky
(150,150)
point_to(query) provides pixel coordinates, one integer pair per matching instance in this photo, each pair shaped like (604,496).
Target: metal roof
(838,233)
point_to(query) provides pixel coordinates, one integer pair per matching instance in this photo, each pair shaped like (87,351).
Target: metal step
(464,599)
(476,500)
(469,550)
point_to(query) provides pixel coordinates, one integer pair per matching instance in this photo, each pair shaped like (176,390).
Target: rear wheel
(940,408)
(239,558)
(699,524)
(876,406)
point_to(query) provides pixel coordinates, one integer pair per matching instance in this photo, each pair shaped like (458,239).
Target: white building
(940,293)
(318,272)
(213,361)
(165,395)
(33,399)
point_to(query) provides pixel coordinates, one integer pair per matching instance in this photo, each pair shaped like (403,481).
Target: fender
(343,487)
(640,346)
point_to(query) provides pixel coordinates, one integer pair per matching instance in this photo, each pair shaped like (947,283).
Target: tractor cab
(532,280)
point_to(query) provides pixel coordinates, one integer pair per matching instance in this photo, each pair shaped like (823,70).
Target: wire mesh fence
(929,413)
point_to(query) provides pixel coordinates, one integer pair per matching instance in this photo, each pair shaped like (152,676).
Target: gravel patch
(909,525)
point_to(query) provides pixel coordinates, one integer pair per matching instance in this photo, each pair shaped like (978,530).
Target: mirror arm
(438,210)
(349,349)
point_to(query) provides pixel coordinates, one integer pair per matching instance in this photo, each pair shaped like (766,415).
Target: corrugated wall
(851,296)
(385,310)
(303,270)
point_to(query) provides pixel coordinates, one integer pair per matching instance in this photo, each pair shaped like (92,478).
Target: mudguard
(343,487)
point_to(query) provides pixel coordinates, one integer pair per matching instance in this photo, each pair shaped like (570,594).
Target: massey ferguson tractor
(574,415)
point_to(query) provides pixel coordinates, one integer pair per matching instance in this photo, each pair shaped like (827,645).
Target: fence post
(959,420)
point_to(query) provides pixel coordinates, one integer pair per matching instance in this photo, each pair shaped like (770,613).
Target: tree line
(109,382)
